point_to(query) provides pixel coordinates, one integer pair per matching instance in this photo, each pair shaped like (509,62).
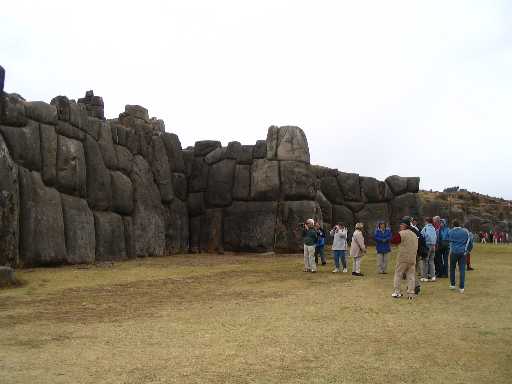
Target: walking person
(310,238)
(357,249)
(443,249)
(382,243)
(428,272)
(339,247)
(461,243)
(406,259)
(320,244)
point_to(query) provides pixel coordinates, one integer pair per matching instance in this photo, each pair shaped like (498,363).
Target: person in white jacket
(357,249)
(339,246)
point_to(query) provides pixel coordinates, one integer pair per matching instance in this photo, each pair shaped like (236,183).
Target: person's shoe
(324,263)
(335,270)
(313,271)
(345,270)
(433,279)
(423,279)
(384,273)
(411,297)
(461,290)
(357,274)
(396,295)
(306,270)
(452,287)
(354,273)
(471,269)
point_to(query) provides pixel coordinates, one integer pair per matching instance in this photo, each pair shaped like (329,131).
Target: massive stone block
(292,144)
(297,181)
(397,184)
(161,170)
(71,167)
(413,184)
(198,179)
(110,237)
(374,190)
(220,183)
(195,233)
(250,226)
(290,214)
(148,215)
(370,216)
(211,239)
(42,240)
(245,154)
(41,111)
(265,180)
(195,203)
(99,189)
(242,183)
(122,193)
(325,206)
(349,184)
(48,154)
(204,147)
(173,147)
(24,144)
(321,172)
(342,214)
(12,111)
(407,204)
(272,142)
(106,144)
(79,230)
(124,159)
(179,184)
(9,208)
(260,150)
(176,228)
(66,129)
(331,189)
(70,111)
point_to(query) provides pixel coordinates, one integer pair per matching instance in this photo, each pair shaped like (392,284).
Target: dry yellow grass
(253,319)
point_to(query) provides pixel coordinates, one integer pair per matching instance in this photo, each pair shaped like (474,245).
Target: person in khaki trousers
(406,259)
(357,249)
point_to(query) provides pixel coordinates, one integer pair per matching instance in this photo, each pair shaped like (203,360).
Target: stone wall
(78,188)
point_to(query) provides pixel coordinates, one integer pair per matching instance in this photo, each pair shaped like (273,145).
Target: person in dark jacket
(442,250)
(320,244)
(382,243)
(310,237)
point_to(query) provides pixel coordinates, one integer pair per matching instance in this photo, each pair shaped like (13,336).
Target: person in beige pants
(406,259)
(357,249)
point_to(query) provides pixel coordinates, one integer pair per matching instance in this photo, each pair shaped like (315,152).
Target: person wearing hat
(357,249)
(382,238)
(406,259)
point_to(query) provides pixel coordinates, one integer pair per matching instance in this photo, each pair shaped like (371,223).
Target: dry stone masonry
(76,187)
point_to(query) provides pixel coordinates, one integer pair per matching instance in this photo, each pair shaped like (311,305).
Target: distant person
(461,243)
(428,272)
(414,226)
(382,243)
(310,238)
(320,244)
(483,240)
(339,246)
(443,249)
(406,260)
(495,237)
(357,249)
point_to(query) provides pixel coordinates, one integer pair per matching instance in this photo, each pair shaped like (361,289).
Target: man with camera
(339,246)
(310,236)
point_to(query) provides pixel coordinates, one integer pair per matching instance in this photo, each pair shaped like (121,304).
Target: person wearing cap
(382,238)
(310,236)
(357,249)
(461,243)
(406,260)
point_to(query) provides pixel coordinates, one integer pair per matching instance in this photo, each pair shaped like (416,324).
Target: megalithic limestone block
(110,237)
(176,227)
(370,216)
(24,144)
(99,189)
(79,230)
(291,213)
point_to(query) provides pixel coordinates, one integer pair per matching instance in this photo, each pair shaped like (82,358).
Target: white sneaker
(452,287)
(396,295)
(461,290)
(336,270)
(423,279)
(433,279)
(345,270)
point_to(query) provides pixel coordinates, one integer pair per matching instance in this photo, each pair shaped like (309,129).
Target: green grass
(254,319)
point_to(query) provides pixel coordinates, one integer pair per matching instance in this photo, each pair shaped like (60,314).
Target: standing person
(382,239)
(339,246)
(428,272)
(406,260)
(310,238)
(443,249)
(461,243)
(357,249)
(320,244)
(415,228)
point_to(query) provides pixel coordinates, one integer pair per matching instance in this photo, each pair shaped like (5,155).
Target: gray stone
(99,189)
(211,239)
(70,111)
(9,208)
(349,184)
(407,204)
(71,167)
(41,112)
(374,190)
(265,180)
(13,110)
(48,154)
(331,190)
(250,226)
(293,144)
(122,193)
(321,172)
(233,150)
(195,203)
(397,184)
(129,236)
(204,147)
(195,234)
(245,155)
(7,276)
(220,183)
(325,206)
(260,150)
(370,216)
(288,236)
(93,127)
(124,159)
(176,228)
(107,145)
(215,156)
(68,130)
(272,142)
(198,179)
(137,111)
(413,184)
(24,144)
(342,214)
(79,230)
(93,104)
(148,215)
(161,170)
(158,126)
(297,181)
(242,182)
(188,161)
(110,238)
(179,183)
(42,240)
(354,206)
(174,154)
(119,132)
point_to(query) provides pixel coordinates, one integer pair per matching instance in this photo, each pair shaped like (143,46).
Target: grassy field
(254,319)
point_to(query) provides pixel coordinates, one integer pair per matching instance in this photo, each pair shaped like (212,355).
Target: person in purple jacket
(382,239)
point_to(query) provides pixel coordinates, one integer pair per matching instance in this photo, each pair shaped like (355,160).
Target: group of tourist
(496,237)
(431,252)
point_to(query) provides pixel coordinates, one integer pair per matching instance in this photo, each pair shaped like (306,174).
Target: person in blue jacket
(461,243)
(382,243)
(428,272)
(442,249)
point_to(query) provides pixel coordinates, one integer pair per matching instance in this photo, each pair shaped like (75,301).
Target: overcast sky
(415,88)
